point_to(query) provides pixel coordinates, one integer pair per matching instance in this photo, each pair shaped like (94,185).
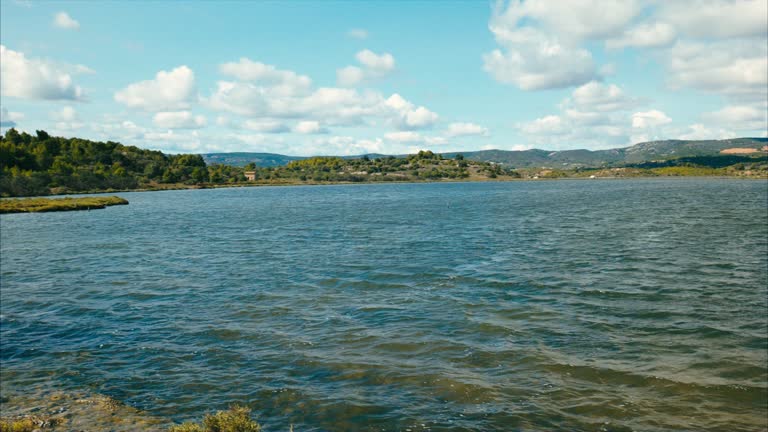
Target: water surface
(578,305)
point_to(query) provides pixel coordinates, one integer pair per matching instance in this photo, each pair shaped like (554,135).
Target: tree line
(40,164)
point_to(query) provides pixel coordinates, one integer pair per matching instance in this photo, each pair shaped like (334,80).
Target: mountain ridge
(540,158)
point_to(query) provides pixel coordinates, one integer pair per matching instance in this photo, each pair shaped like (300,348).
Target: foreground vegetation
(43,165)
(235,419)
(35,205)
(36,165)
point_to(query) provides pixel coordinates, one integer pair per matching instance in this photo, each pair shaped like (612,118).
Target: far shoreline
(178,187)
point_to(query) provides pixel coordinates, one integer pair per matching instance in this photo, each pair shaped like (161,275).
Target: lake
(554,305)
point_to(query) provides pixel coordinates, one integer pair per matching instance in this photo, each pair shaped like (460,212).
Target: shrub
(235,419)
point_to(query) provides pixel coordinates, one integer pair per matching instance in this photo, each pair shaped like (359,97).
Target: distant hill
(266,160)
(638,153)
(642,152)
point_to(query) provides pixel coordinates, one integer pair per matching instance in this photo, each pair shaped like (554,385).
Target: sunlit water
(567,305)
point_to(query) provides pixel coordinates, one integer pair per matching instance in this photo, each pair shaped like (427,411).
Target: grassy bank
(34,205)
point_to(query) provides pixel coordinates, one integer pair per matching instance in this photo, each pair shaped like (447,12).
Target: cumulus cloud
(178,120)
(266,126)
(350,76)
(309,127)
(465,129)
(35,79)
(62,20)
(357,33)
(578,19)
(700,132)
(283,81)
(374,66)
(259,95)
(327,105)
(549,125)
(341,145)
(9,118)
(644,35)
(408,116)
(649,119)
(595,115)
(596,96)
(123,131)
(540,40)
(66,119)
(170,90)
(740,117)
(737,70)
(716,18)
(404,136)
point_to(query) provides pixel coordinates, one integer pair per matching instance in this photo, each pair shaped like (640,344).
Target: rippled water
(578,305)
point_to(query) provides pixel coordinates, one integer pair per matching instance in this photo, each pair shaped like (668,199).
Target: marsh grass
(32,205)
(29,423)
(235,419)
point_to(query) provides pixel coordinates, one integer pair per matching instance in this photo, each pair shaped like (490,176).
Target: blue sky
(324,77)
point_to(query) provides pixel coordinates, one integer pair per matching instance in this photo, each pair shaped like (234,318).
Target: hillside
(241,159)
(42,165)
(536,158)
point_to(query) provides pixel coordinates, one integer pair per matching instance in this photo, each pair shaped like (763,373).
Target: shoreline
(177,187)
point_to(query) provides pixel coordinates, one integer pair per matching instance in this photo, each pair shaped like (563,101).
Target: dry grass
(28,423)
(30,205)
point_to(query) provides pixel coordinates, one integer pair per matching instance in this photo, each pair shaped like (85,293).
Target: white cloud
(541,40)
(533,60)
(577,19)
(717,18)
(740,117)
(548,125)
(358,33)
(596,96)
(407,116)
(9,118)
(170,90)
(585,118)
(735,69)
(66,119)
(649,119)
(700,132)
(595,115)
(263,101)
(340,145)
(36,79)
(266,126)
(464,129)
(176,142)
(309,127)
(404,136)
(283,81)
(64,21)
(374,66)
(123,131)
(327,104)
(178,120)
(645,35)
(379,64)
(350,76)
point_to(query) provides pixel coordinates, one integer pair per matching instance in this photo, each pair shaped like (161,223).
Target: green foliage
(235,419)
(41,164)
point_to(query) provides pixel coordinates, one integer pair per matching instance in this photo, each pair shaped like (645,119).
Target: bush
(235,419)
